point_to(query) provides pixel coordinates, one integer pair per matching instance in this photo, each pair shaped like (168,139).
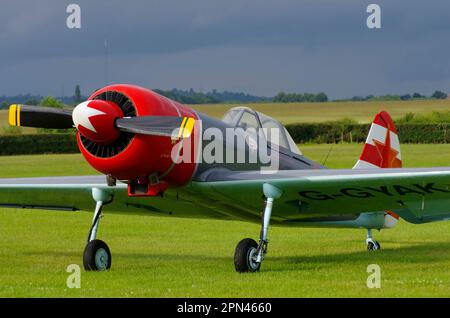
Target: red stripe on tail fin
(384,119)
(382,147)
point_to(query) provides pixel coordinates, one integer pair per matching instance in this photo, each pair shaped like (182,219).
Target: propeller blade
(39,117)
(169,126)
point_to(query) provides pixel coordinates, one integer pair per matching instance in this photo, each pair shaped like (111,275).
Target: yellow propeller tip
(14,115)
(188,127)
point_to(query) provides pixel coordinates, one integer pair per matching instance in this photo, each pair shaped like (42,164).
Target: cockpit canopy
(245,117)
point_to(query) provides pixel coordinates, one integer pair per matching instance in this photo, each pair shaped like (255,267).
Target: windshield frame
(284,134)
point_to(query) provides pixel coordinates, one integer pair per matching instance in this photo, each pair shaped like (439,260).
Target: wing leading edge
(73,193)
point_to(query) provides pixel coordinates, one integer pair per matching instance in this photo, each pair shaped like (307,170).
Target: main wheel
(96,256)
(244,256)
(372,246)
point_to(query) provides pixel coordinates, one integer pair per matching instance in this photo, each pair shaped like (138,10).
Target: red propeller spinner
(95,120)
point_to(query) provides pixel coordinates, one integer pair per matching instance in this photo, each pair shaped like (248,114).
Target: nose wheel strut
(249,255)
(97,256)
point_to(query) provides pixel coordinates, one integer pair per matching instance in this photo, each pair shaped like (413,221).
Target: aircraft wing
(73,193)
(57,193)
(417,195)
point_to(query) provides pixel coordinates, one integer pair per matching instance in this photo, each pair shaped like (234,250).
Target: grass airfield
(169,257)
(363,112)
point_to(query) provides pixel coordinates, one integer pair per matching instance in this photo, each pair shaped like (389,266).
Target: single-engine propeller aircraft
(163,158)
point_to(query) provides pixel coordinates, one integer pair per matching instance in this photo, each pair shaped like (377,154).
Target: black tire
(96,256)
(373,246)
(242,256)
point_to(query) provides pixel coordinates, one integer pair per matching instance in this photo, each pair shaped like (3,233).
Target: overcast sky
(256,46)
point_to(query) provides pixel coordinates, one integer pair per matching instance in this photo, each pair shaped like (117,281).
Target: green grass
(44,165)
(169,257)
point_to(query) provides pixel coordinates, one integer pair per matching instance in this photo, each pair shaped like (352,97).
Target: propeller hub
(95,120)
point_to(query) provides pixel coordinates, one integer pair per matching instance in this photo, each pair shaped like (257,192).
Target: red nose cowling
(144,156)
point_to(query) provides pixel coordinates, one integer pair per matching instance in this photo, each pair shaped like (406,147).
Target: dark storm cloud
(167,26)
(256,46)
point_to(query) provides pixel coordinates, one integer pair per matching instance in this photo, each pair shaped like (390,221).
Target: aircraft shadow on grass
(419,253)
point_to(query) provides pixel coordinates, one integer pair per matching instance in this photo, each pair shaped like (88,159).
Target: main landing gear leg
(248,254)
(372,245)
(96,256)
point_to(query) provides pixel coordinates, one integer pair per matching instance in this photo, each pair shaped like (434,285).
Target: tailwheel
(245,256)
(96,256)
(373,245)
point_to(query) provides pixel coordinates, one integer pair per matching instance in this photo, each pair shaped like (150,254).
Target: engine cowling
(135,158)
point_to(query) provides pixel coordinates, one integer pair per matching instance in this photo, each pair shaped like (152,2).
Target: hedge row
(38,144)
(335,133)
(301,133)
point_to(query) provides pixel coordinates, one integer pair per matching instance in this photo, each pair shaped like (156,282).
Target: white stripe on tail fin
(382,150)
(382,147)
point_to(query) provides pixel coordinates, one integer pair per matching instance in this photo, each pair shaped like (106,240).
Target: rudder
(382,147)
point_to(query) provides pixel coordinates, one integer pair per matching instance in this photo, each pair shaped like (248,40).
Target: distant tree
(283,97)
(4,105)
(308,97)
(280,98)
(77,97)
(50,101)
(299,98)
(417,95)
(32,102)
(293,97)
(357,98)
(405,97)
(389,97)
(369,97)
(321,97)
(439,95)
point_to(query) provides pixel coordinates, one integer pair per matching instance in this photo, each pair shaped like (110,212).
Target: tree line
(283,97)
(214,97)
(414,96)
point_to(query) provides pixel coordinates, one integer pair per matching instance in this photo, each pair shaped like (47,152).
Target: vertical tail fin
(382,147)
(382,150)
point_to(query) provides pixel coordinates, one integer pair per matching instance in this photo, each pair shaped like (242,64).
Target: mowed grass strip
(169,257)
